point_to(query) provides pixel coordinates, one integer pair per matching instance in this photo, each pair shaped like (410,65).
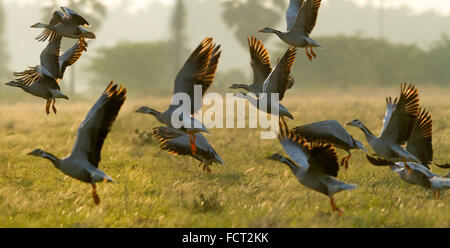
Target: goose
(66,23)
(177,142)
(420,145)
(301,17)
(82,163)
(315,164)
(43,80)
(416,174)
(199,70)
(276,83)
(260,63)
(398,124)
(330,131)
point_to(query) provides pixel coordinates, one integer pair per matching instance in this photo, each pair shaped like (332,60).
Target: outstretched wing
(292,12)
(401,123)
(316,157)
(390,106)
(199,70)
(32,75)
(260,60)
(72,55)
(97,124)
(279,79)
(75,17)
(328,131)
(57,18)
(420,142)
(50,57)
(294,146)
(307,17)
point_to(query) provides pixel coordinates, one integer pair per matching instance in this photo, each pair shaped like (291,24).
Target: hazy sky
(441,6)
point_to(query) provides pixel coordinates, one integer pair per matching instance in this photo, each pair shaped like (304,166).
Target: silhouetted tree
(3,55)
(177,31)
(245,18)
(93,10)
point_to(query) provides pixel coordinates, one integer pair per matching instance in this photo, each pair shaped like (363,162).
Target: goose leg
(313,53)
(53,106)
(434,194)
(344,161)
(47,107)
(334,207)
(438,194)
(94,194)
(307,54)
(192,143)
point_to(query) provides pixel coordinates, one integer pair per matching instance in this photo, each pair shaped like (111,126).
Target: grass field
(157,189)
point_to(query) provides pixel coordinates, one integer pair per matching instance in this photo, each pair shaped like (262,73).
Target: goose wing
(57,18)
(260,61)
(75,17)
(390,106)
(292,12)
(401,123)
(279,79)
(328,131)
(177,142)
(307,17)
(97,124)
(199,69)
(33,75)
(316,157)
(420,142)
(50,57)
(72,55)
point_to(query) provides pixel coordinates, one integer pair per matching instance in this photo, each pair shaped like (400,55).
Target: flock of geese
(311,149)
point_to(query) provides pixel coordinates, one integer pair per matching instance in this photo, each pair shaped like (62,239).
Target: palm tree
(245,18)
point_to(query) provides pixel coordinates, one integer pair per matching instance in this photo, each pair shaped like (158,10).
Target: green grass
(157,189)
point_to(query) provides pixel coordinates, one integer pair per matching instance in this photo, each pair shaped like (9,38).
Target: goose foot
(47,107)
(437,193)
(344,161)
(206,168)
(313,53)
(307,54)
(334,207)
(53,106)
(192,143)
(94,194)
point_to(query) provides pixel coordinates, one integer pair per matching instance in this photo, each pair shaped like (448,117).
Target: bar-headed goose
(43,80)
(260,62)
(66,23)
(301,17)
(314,164)
(277,82)
(82,163)
(199,70)
(177,142)
(398,125)
(332,132)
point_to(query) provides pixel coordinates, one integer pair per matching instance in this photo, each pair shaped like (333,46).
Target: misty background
(145,46)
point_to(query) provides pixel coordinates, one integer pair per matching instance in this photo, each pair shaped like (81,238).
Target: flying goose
(43,80)
(398,125)
(276,83)
(199,70)
(314,164)
(66,23)
(260,62)
(301,17)
(332,132)
(82,163)
(177,142)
